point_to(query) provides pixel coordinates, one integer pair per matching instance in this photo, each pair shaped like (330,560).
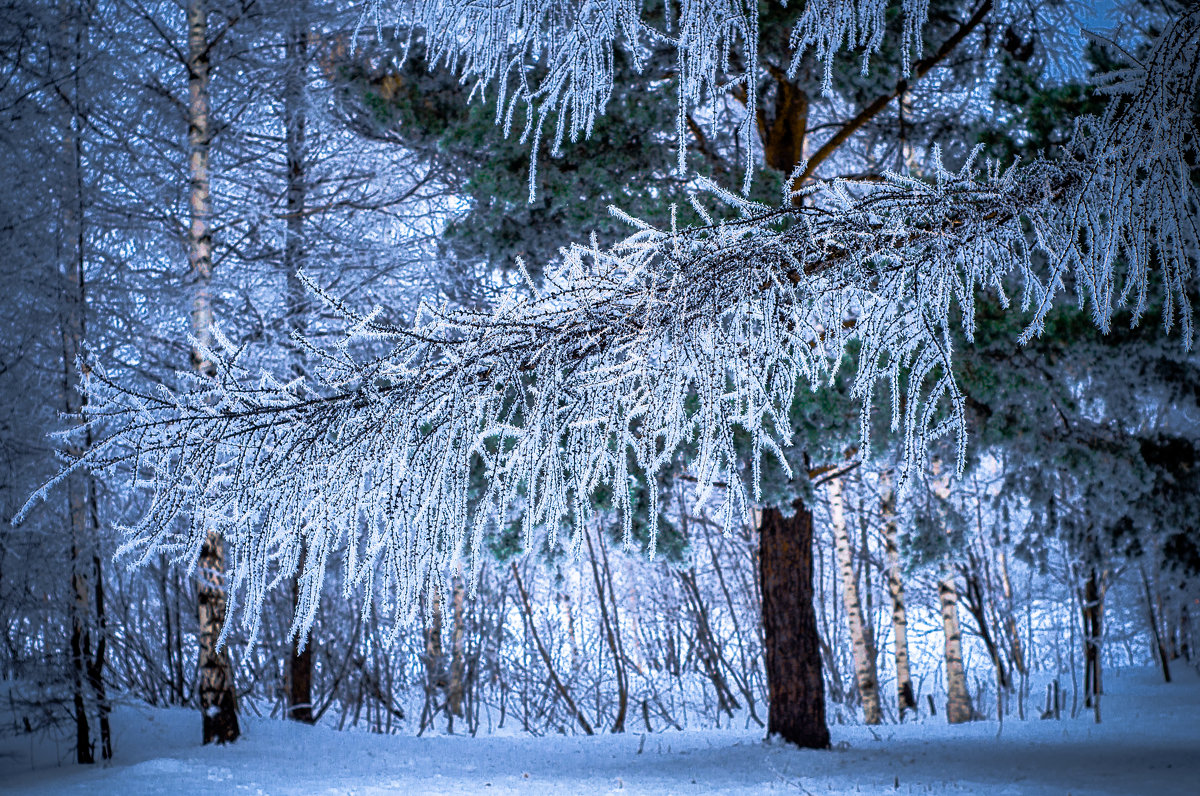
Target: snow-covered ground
(1148,744)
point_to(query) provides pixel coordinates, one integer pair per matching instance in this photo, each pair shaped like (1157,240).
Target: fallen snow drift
(1148,743)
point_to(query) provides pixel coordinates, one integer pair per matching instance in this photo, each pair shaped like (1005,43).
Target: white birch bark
(905,698)
(862,645)
(216,693)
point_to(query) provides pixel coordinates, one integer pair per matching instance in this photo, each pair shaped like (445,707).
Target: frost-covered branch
(675,341)
(555,58)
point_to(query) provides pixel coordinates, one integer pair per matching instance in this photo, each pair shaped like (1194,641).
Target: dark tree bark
(1093,633)
(795,685)
(300,666)
(218,704)
(300,662)
(1160,649)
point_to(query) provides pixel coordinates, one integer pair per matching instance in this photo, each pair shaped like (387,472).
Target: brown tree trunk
(795,685)
(218,703)
(905,699)
(295,124)
(958,699)
(862,645)
(299,672)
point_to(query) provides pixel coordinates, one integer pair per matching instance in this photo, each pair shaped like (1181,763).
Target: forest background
(302,142)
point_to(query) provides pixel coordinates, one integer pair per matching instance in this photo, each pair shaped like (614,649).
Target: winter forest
(570,396)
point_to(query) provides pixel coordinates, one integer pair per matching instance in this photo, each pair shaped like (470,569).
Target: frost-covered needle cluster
(675,340)
(554,59)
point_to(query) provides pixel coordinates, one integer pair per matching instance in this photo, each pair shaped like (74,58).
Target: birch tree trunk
(435,658)
(218,702)
(795,685)
(905,698)
(861,644)
(454,692)
(958,699)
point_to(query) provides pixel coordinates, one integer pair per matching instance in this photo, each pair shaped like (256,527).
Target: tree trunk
(905,699)
(976,599)
(1093,631)
(1016,654)
(1185,632)
(454,693)
(861,642)
(218,703)
(435,664)
(795,686)
(299,672)
(295,123)
(78,488)
(958,699)
(87,670)
(1160,649)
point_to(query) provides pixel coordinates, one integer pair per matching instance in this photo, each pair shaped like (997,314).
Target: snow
(1149,743)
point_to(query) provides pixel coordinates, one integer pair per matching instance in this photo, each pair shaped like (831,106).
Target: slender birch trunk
(454,692)
(435,657)
(218,702)
(72,331)
(905,698)
(862,645)
(958,699)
